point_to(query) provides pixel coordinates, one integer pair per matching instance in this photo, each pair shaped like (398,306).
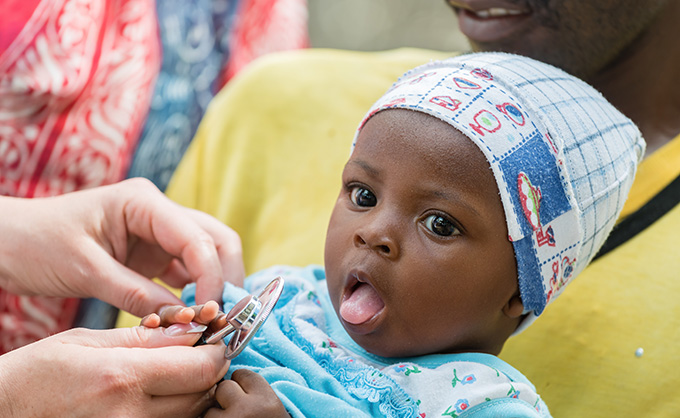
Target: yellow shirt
(267,161)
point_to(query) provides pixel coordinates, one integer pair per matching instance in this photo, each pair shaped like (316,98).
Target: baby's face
(417,253)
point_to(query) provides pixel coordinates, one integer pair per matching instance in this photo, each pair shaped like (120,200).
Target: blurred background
(372,25)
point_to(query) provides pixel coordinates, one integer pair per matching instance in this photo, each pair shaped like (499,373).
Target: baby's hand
(246,395)
(176,314)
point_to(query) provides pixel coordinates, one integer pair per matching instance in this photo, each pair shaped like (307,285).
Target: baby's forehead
(423,146)
(443,139)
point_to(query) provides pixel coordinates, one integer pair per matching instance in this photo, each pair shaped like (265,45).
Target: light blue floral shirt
(316,369)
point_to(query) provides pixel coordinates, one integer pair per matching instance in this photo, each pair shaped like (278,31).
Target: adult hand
(138,371)
(109,241)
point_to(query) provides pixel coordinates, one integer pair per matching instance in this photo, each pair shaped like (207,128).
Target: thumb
(130,291)
(185,369)
(177,334)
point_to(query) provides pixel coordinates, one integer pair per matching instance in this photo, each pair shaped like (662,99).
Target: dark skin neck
(644,82)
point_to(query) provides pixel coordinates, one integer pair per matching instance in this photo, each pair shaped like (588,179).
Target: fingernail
(196,328)
(181,329)
(146,318)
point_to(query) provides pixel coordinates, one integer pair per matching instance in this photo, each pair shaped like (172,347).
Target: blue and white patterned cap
(563,157)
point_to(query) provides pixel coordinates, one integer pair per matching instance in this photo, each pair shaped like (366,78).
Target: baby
(478,187)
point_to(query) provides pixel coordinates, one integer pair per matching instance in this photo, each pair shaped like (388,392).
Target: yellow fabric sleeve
(267,161)
(654,173)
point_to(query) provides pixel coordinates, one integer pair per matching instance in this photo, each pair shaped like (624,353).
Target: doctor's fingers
(163,361)
(229,252)
(180,370)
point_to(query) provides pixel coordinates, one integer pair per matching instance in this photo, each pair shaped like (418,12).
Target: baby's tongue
(361,305)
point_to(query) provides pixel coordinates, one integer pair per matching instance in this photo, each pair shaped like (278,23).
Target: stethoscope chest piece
(245,318)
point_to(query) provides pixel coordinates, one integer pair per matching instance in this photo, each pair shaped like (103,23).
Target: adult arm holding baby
(107,243)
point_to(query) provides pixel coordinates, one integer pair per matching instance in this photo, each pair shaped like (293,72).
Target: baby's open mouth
(360,304)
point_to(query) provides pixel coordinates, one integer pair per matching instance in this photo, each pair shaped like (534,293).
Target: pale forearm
(10,389)
(15,238)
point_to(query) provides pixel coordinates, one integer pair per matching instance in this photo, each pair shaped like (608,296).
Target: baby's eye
(441,226)
(362,197)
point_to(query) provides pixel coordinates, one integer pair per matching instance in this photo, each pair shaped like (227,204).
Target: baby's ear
(514,308)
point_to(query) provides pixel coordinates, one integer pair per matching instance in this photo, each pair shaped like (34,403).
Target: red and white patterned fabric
(264,26)
(76,78)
